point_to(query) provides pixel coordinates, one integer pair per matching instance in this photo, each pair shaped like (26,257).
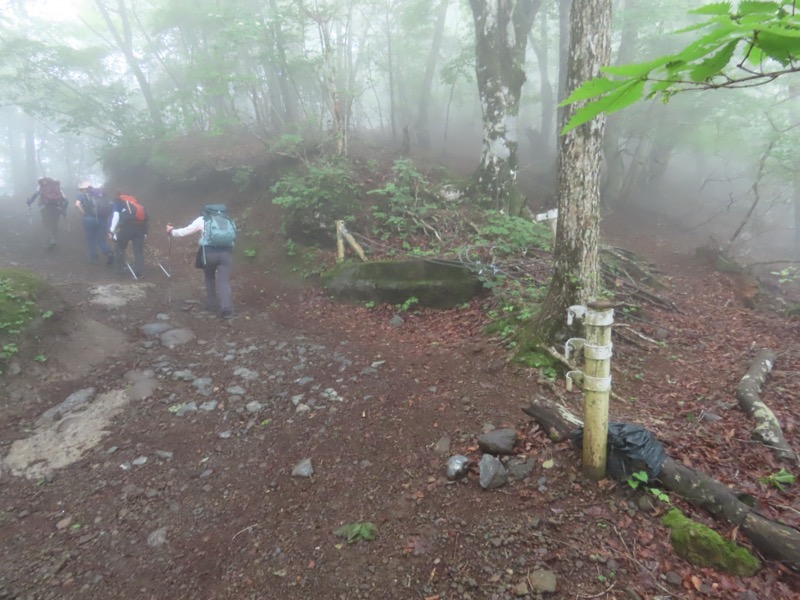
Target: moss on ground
(704,547)
(18,307)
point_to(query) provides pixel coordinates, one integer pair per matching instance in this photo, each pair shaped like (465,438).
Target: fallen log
(771,538)
(768,429)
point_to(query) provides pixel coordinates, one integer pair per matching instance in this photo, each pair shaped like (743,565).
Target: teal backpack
(218,228)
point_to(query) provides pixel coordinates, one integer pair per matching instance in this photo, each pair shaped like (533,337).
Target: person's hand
(169,228)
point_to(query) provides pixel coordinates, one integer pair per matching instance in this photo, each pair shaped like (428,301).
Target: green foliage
(242,177)
(409,302)
(640,478)
(779,479)
(508,235)
(737,46)
(356,532)
(408,197)
(18,290)
(318,196)
(787,275)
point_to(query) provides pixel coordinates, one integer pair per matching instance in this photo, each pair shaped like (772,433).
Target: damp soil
(165,503)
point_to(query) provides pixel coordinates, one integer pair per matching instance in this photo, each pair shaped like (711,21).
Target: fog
(82,77)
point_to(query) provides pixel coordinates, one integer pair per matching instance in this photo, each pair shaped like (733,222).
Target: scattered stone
(442,446)
(457,467)
(64,523)
(245,373)
(155,328)
(164,454)
(397,321)
(176,337)
(520,469)
(157,538)
(499,441)
(224,434)
(492,472)
(73,401)
(209,406)
(254,407)
(140,460)
(236,390)
(303,468)
(187,408)
(543,581)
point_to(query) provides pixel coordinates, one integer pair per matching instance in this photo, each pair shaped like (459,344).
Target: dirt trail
(188,490)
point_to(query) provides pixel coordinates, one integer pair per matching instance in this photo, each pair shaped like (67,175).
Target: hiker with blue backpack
(95,207)
(214,254)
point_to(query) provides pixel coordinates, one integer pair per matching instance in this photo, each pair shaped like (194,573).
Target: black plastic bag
(631,448)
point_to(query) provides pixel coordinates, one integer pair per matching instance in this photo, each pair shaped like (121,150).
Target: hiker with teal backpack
(95,207)
(214,254)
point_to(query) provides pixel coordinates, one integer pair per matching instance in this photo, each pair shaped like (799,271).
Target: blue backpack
(218,228)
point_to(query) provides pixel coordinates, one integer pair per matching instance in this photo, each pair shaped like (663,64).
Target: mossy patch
(704,547)
(18,308)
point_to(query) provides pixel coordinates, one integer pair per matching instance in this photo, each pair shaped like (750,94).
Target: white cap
(85,185)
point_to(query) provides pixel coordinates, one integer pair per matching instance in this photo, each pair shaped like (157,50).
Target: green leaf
(714,64)
(626,95)
(355,532)
(761,8)
(590,89)
(717,8)
(637,69)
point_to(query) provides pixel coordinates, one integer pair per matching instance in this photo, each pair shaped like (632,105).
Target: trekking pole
(127,264)
(30,215)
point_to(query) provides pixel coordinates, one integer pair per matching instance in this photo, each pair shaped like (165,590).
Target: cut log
(773,539)
(768,429)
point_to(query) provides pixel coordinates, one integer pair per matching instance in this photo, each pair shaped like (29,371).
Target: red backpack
(50,191)
(135,209)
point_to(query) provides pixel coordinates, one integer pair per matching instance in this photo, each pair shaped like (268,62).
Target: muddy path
(160,452)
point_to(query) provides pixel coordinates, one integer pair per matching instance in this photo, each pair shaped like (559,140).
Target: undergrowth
(18,291)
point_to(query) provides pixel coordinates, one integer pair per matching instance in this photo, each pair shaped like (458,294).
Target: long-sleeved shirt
(195,226)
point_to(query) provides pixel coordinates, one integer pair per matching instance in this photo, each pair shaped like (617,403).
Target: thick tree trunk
(774,539)
(423,135)
(576,276)
(288,97)
(501,33)
(564,10)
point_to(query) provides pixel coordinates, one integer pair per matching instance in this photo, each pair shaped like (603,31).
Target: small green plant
(779,479)
(370,304)
(356,532)
(406,306)
(250,252)
(242,177)
(787,275)
(47,314)
(40,358)
(640,478)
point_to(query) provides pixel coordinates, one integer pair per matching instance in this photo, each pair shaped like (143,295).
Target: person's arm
(193,227)
(114,221)
(33,198)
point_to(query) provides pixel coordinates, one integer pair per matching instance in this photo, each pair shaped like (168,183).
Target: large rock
(499,441)
(433,284)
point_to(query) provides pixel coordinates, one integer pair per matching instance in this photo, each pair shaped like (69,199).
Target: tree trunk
(564,10)
(501,34)
(423,135)
(124,42)
(288,96)
(576,276)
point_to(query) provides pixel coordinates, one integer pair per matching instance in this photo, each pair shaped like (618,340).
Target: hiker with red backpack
(52,205)
(128,225)
(96,210)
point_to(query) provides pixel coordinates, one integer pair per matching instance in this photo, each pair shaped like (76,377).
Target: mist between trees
(426,77)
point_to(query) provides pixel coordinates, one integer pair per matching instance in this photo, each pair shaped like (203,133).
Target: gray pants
(217,269)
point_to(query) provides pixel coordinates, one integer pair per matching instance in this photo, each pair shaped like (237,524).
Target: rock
(457,467)
(157,538)
(303,468)
(499,441)
(176,337)
(442,446)
(543,581)
(397,321)
(492,472)
(155,328)
(520,469)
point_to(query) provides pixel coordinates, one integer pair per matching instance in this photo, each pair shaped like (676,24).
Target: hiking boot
(109,259)
(226,313)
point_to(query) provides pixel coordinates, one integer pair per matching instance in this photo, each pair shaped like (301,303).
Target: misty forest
(632,156)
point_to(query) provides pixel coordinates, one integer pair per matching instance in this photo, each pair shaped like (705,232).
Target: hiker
(96,210)
(214,254)
(128,224)
(52,205)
